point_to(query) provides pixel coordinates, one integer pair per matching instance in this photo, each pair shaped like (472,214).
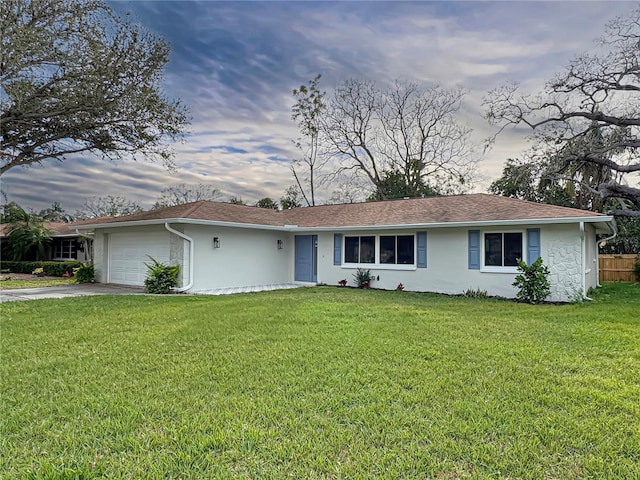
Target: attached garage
(128,253)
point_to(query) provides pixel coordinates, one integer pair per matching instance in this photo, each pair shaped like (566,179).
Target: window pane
(493,249)
(387,249)
(367,249)
(512,249)
(405,250)
(351,250)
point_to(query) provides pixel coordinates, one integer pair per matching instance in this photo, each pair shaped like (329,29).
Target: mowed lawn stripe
(321,383)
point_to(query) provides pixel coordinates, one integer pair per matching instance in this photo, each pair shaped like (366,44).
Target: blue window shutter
(474,249)
(422,249)
(533,245)
(337,248)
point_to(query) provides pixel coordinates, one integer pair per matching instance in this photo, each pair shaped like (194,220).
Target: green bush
(533,283)
(51,269)
(161,278)
(636,268)
(477,293)
(363,278)
(85,274)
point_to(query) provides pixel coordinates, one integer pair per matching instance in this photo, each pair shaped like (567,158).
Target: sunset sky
(235,64)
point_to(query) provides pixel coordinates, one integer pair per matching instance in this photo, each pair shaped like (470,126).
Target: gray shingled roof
(416,211)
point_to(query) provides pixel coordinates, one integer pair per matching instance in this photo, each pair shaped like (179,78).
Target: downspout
(190,240)
(614,229)
(583,255)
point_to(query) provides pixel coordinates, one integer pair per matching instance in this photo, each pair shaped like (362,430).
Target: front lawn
(36,283)
(321,383)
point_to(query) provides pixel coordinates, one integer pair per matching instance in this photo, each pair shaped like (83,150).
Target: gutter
(190,240)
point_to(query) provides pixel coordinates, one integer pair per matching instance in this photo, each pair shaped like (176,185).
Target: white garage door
(128,255)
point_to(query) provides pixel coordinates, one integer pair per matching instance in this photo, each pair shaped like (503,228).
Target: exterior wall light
(216,242)
(280,244)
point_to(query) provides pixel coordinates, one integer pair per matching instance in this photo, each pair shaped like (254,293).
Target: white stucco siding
(245,257)
(591,257)
(448,263)
(447,266)
(100,256)
(561,251)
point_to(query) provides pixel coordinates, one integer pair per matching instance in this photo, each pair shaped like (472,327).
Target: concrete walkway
(68,291)
(253,288)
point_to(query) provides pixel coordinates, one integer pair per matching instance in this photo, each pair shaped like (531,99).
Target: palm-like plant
(27,233)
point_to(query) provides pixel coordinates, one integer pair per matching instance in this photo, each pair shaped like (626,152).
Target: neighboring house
(438,244)
(66,243)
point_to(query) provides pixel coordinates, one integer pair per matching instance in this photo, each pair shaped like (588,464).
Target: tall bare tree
(75,77)
(182,193)
(403,129)
(307,113)
(108,206)
(598,92)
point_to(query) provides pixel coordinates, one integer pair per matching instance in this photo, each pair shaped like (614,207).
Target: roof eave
(191,221)
(600,219)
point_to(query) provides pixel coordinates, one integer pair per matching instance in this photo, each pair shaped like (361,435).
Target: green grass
(321,383)
(54,282)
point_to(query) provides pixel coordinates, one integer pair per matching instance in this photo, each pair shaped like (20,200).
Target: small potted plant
(343,282)
(400,287)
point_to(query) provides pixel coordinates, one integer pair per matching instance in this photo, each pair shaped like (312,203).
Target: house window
(397,249)
(502,249)
(359,249)
(65,250)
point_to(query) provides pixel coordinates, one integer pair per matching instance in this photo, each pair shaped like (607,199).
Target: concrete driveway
(67,291)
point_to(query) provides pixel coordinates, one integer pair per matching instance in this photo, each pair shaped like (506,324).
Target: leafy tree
(182,193)
(291,198)
(598,95)
(27,236)
(394,185)
(108,206)
(267,202)
(77,78)
(628,238)
(403,129)
(55,213)
(519,180)
(307,113)
(11,212)
(237,201)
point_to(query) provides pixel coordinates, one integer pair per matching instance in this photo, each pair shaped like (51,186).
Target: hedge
(51,269)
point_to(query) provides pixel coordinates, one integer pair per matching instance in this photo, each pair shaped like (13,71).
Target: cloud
(235,64)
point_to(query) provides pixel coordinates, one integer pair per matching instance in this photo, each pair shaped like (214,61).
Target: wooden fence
(617,268)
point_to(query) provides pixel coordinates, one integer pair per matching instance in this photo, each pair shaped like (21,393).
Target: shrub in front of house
(533,283)
(161,278)
(50,269)
(363,278)
(85,274)
(477,293)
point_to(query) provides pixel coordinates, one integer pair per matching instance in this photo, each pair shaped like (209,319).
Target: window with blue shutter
(474,249)
(533,245)
(422,249)
(337,248)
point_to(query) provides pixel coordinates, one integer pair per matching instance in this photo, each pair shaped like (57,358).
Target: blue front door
(306,260)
